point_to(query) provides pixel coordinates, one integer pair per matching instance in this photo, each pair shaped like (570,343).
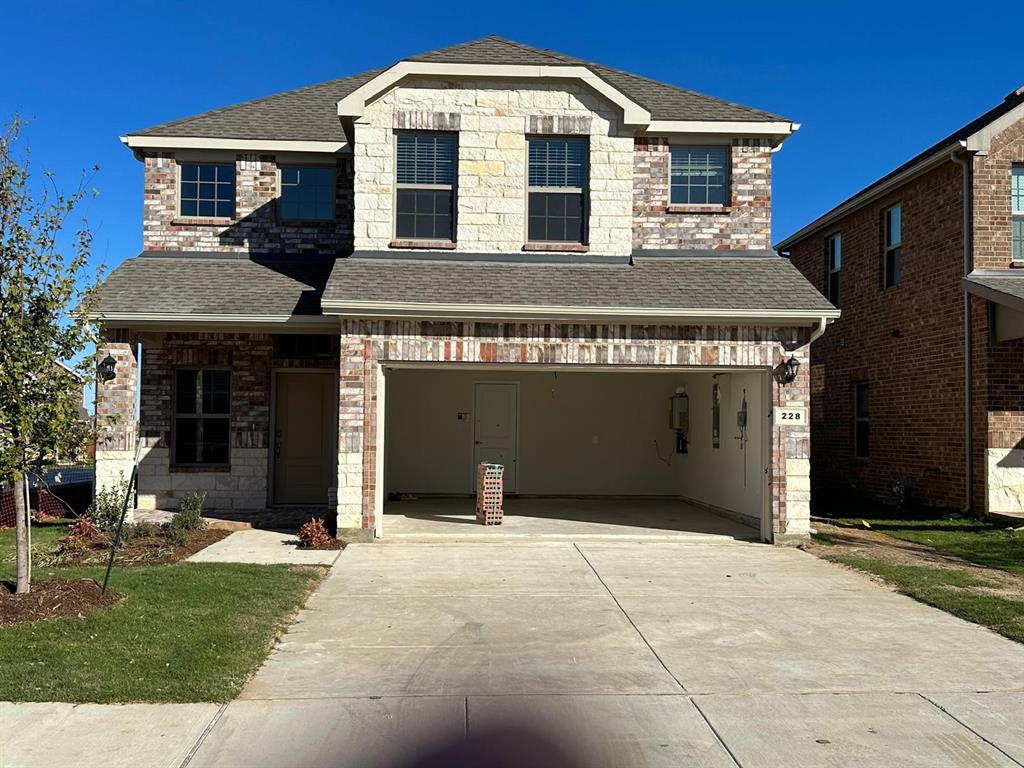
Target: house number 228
(790,416)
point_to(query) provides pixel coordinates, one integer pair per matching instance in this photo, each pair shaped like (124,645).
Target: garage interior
(587,452)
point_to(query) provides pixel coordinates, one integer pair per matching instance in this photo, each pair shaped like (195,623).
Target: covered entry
(586,450)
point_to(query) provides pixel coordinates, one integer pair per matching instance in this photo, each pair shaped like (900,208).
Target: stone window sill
(200,469)
(1017,264)
(198,221)
(428,245)
(709,209)
(556,247)
(313,223)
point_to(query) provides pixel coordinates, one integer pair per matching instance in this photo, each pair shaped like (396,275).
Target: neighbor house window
(307,194)
(893,245)
(202,406)
(700,176)
(1017,204)
(557,183)
(425,186)
(207,190)
(834,266)
(861,428)
(302,345)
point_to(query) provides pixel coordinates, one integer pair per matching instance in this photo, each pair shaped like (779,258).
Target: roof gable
(310,113)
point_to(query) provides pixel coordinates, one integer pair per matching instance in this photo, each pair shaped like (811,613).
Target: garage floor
(560,519)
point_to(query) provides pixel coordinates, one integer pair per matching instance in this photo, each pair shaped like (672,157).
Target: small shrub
(313,535)
(143,530)
(177,536)
(105,509)
(190,514)
(83,534)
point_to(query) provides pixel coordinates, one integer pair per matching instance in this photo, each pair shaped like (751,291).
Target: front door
(495,434)
(304,446)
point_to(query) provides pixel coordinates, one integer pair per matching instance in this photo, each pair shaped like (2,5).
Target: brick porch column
(116,426)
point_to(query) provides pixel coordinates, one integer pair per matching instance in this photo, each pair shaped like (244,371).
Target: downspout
(964,160)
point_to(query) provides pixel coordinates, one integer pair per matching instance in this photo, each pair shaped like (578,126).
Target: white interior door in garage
(496,428)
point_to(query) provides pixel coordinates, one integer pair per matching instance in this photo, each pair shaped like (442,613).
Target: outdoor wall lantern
(790,369)
(105,369)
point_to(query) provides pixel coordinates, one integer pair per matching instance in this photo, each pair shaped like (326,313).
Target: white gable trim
(242,145)
(355,103)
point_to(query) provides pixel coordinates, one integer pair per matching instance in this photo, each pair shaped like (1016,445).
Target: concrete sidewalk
(261,547)
(631,654)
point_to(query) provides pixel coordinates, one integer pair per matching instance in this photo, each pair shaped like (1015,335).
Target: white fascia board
(354,104)
(982,140)
(860,200)
(255,145)
(183,319)
(779,128)
(425,311)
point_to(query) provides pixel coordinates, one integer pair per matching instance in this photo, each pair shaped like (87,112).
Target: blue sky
(871,83)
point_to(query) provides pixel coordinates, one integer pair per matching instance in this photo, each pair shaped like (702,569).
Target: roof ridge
(250,102)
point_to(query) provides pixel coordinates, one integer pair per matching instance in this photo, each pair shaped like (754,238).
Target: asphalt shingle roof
(310,113)
(202,284)
(155,283)
(712,283)
(1006,287)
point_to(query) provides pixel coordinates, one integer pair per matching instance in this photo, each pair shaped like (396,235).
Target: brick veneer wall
(992,205)
(115,412)
(256,227)
(251,360)
(366,345)
(743,224)
(916,377)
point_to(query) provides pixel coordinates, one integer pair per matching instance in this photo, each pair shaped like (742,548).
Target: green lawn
(985,543)
(184,632)
(949,590)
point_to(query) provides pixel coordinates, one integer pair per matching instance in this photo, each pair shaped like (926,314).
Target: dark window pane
(207,208)
(863,410)
(207,172)
(863,439)
(189,208)
(186,440)
(307,194)
(185,391)
(698,195)
(207,191)
(215,441)
(893,266)
(226,173)
(833,288)
(189,190)
(190,172)
(1018,237)
(536,232)
(226,209)
(405,226)
(699,176)
(216,392)
(555,217)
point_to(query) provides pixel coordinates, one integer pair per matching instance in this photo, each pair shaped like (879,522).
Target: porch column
(791,488)
(116,426)
(352,398)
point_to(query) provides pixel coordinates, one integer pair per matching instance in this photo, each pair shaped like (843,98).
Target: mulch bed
(54,599)
(332,544)
(148,550)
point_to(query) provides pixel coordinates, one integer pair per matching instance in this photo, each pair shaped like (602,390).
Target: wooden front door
(304,445)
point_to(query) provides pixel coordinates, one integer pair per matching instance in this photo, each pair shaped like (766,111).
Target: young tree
(45,294)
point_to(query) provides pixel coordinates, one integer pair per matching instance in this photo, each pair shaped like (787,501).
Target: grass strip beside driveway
(183,632)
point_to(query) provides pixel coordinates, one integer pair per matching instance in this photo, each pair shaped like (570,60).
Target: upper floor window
(425,165)
(557,189)
(207,189)
(699,176)
(893,266)
(202,408)
(1017,206)
(307,194)
(834,266)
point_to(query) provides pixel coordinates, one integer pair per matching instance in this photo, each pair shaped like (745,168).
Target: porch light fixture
(790,369)
(105,369)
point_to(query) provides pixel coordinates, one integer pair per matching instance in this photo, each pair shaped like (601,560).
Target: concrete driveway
(632,654)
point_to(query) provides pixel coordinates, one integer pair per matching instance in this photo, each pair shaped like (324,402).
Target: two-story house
(358,290)
(918,391)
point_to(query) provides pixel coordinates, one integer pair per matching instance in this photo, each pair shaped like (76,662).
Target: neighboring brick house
(531,255)
(895,260)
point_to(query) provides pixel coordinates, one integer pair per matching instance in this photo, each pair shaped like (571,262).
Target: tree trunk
(21,532)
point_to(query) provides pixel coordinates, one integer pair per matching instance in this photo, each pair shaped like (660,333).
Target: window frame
(583,192)
(1016,216)
(892,252)
(199,416)
(726,183)
(179,165)
(452,188)
(835,296)
(859,451)
(280,193)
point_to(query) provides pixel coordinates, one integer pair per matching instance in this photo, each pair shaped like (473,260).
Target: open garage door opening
(588,452)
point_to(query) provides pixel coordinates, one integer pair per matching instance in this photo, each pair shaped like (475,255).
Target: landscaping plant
(314,535)
(189,516)
(45,293)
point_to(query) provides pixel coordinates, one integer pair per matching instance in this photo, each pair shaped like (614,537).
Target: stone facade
(115,412)
(256,228)
(743,224)
(907,342)
(493,122)
(367,345)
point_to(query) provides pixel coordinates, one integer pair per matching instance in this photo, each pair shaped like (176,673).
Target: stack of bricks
(490,482)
